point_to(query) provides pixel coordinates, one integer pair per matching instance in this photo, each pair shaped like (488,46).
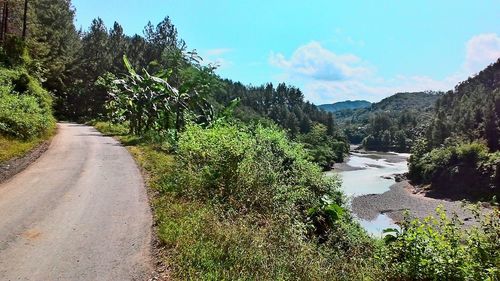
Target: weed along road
(80,212)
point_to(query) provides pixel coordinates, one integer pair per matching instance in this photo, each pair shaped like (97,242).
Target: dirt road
(80,212)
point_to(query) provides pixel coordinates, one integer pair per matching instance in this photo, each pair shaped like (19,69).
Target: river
(371,173)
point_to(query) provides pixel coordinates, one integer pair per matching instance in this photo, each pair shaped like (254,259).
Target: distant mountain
(407,101)
(418,102)
(391,124)
(356,104)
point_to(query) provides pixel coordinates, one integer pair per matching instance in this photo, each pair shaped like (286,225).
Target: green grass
(11,147)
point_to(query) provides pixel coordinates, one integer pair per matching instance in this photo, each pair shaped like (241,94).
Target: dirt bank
(11,167)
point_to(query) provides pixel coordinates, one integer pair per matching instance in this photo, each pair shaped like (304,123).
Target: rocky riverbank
(400,198)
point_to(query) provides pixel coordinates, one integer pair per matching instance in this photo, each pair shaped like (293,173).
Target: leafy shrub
(467,169)
(244,203)
(22,117)
(323,149)
(251,170)
(21,82)
(25,107)
(440,249)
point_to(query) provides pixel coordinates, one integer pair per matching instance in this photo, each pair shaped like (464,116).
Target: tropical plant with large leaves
(149,102)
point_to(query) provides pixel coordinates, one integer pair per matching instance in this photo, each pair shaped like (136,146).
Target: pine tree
(53,41)
(491,128)
(330,125)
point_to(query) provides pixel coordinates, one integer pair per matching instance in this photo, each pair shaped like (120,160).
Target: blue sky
(332,50)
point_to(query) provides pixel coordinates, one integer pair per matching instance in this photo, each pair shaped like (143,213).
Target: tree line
(75,64)
(459,152)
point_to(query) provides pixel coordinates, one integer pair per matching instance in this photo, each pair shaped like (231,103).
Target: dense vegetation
(343,105)
(239,201)
(25,107)
(438,248)
(391,124)
(459,154)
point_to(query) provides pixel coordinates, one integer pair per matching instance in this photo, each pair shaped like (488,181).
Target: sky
(332,50)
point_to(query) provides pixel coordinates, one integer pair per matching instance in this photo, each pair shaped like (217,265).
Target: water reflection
(376,227)
(373,174)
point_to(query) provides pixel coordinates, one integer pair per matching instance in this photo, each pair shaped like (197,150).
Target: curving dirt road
(80,212)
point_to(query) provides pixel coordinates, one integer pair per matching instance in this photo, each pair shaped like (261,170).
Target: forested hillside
(391,124)
(345,105)
(459,154)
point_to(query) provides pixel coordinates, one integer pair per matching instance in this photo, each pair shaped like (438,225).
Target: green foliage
(22,117)
(243,203)
(440,249)
(25,107)
(251,169)
(148,102)
(323,148)
(463,170)
(387,131)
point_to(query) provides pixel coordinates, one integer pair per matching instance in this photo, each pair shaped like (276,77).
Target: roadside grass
(12,147)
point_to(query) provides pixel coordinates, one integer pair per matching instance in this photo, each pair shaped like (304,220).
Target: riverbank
(387,157)
(400,198)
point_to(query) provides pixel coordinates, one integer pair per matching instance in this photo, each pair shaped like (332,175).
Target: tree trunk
(178,120)
(25,19)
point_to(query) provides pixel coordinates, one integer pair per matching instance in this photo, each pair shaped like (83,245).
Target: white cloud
(217,52)
(481,50)
(328,77)
(315,62)
(216,57)
(320,92)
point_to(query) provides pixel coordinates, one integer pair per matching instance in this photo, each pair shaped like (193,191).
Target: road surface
(80,212)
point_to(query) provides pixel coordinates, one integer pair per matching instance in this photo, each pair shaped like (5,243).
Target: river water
(372,173)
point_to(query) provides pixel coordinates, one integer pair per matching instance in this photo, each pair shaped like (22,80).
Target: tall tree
(117,46)
(53,41)
(491,128)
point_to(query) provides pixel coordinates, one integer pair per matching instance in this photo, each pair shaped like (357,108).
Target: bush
(22,117)
(20,82)
(244,203)
(440,249)
(25,107)
(323,149)
(464,170)
(251,170)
